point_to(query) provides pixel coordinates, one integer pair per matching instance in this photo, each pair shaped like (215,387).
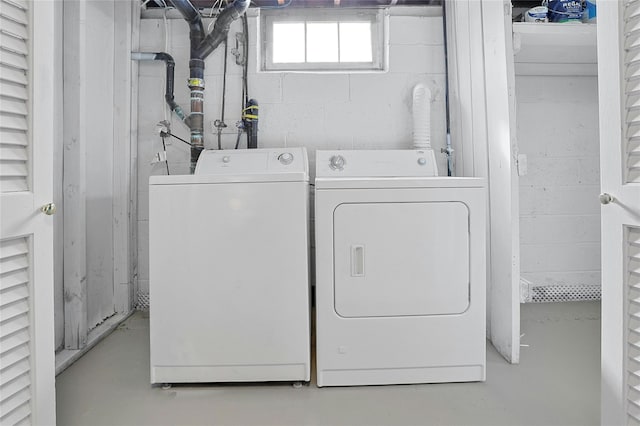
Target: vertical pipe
(201,47)
(196,119)
(251,123)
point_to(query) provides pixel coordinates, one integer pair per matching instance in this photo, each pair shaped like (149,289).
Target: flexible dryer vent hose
(421,117)
(422,122)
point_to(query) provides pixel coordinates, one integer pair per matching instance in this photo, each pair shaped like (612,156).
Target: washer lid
(245,165)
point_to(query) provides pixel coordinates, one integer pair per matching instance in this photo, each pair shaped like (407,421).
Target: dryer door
(401,259)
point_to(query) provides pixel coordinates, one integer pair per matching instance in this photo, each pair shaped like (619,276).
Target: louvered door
(619,97)
(632,262)
(14,42)
(15,332)
(631,140)
(27,366)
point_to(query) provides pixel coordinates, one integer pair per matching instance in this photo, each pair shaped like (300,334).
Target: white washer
(229,276)
(400,271)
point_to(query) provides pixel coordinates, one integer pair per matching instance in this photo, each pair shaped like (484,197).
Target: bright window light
(322,42)
(355,42)
(288,42)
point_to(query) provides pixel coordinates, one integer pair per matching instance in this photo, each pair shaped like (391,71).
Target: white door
(503,296)
(27,366)
(619,92)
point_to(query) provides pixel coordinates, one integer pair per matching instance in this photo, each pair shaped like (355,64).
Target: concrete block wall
(559,209)
(318,111)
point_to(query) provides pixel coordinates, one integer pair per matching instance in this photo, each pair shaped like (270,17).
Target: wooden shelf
(555,49)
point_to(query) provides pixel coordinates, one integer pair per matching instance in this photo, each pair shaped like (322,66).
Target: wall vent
(558,293)
(142,303)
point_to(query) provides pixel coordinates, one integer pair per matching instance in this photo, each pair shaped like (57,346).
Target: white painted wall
(319,111)
(559,209)
(85,119)
(94,275)
(99,68)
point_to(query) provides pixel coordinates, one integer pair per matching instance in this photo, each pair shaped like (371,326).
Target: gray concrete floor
(556,383)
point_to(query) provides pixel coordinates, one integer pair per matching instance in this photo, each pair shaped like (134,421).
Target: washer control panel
(376,163)
(252,161)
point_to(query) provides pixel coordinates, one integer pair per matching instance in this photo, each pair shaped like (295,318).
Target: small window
(314,40)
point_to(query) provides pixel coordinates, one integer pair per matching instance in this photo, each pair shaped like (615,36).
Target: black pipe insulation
(201,47)
(250,118)
(168,93)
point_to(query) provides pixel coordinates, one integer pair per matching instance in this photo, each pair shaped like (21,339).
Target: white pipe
(421,117)
(143,56)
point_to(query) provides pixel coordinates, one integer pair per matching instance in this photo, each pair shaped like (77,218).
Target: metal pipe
(201,47)
(196,120)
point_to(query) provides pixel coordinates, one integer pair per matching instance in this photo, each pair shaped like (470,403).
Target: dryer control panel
(376,163)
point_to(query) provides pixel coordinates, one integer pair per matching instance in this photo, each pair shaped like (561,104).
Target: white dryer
(229,270)
(400,271)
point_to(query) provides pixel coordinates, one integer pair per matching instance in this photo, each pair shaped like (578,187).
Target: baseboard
(66,357)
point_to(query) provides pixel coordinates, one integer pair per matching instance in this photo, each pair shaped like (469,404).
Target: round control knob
(422,161)
(337,162)
(286,158)
(226,159)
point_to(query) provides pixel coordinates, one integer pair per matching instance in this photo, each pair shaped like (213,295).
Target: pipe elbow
(168,59)
(193,18)
(221,28)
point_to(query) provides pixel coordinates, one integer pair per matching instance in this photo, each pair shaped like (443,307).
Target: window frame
(378,18)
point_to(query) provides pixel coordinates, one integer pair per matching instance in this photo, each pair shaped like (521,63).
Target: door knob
(606,198)
(48,209)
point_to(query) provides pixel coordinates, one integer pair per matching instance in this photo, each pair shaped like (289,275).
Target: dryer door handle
(357,261)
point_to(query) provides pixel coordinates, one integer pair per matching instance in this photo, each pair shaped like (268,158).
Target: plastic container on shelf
(589,12)
(564,10)
(536,14)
